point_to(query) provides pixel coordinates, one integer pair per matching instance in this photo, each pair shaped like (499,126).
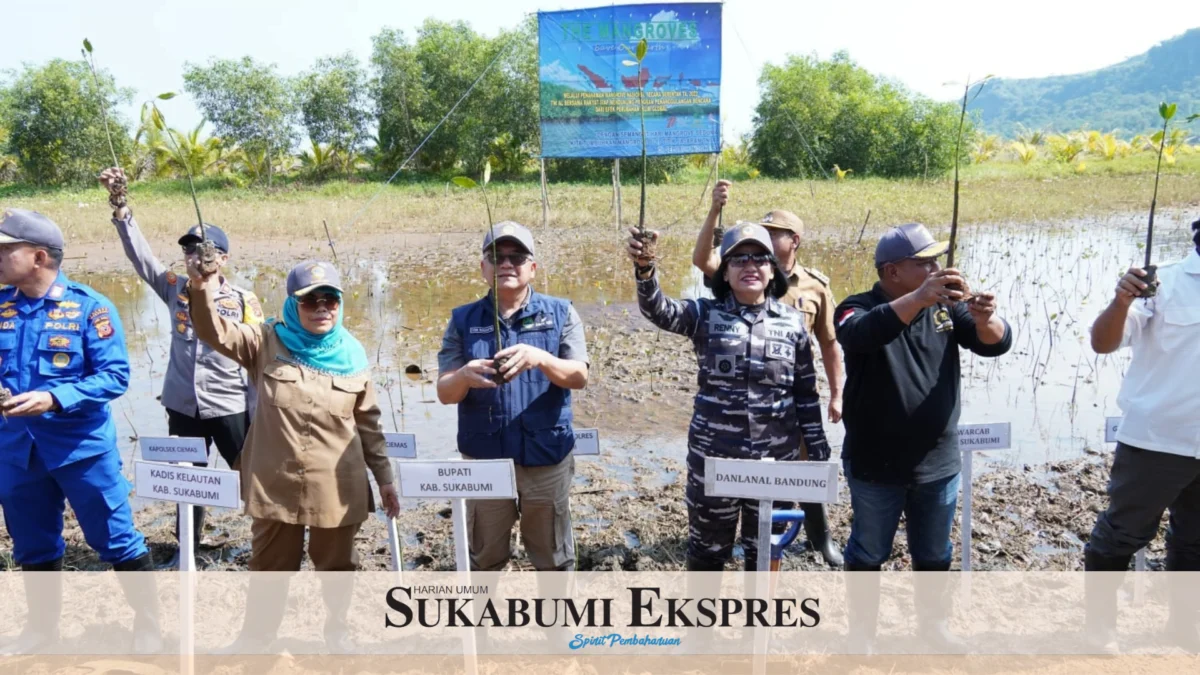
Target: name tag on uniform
(476,330)
(720,323)
(539,322)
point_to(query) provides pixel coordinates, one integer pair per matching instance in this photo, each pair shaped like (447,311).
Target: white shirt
(1161,392)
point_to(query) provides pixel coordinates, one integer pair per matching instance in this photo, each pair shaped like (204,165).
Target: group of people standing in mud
(290,402)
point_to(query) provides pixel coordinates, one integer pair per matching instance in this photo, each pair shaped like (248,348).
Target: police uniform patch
(181,328)
(253,310)
(780,351)
(56,291)
(172,278)
(61,325)
(183,299)
(8,313)
(103,327)
(97,312)
(68,304)
(59,341)
(6,305)
(181,316)
(73,314)
(8,325)
(56,315)
(61,360)
(228,303)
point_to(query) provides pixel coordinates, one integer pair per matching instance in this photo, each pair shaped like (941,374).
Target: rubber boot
(932,597)
(266,603)
(141,592)
(43,597)
(1100,592)
(862,604)
(816,528)
(337,589)
(1184,602)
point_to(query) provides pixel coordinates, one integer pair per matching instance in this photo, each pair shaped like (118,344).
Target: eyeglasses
(743,259)
(314,300)
(517,259)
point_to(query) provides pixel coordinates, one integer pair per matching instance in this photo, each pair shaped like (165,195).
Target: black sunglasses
(517,259)
(740,259)
(316,299)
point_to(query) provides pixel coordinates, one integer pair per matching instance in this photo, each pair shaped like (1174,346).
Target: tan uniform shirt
(808,291)
(313,435)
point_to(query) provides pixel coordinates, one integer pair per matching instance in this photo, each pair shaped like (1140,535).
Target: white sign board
(173,449)
(766,480)
(1111,424)
(587,442)
(458,479)
(187,484)
(994,436)
(401,446)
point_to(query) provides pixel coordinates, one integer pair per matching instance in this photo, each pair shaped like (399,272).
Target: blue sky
(923,44)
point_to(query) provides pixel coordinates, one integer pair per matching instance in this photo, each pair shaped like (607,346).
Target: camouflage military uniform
(757,398)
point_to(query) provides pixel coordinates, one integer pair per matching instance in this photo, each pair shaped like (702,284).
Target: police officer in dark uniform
(63,358)
(758,388)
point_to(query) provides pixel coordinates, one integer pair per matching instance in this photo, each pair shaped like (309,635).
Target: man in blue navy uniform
(528,417)
(63,358)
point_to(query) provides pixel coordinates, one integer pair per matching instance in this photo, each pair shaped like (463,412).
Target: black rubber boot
(931,595)
(43,597)
(816,528)
(266,603)
(1184,602)
(1100,592)
(141,591)
(862,603)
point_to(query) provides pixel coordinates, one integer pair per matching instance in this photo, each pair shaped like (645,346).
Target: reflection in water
(1050,283)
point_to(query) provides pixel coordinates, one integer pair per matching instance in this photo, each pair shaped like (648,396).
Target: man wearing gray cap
(62,359)
(206,395)
(527,416)
(901,341)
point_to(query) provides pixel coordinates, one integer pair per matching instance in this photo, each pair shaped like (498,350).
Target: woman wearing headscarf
(758,388)
(315,431)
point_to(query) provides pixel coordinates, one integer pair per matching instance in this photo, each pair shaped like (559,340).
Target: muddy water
(1050,281)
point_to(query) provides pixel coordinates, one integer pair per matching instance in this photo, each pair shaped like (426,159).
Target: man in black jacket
(901,341)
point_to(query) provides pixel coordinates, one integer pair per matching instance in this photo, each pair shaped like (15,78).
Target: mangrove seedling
(1166,111)
(208,251)
(649,243)
(466,182)
(119,193)
(962,118)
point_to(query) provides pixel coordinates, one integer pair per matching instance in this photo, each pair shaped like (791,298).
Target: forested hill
(1124,96)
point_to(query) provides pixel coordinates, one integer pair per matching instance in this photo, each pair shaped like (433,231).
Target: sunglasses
(314,300)
(194,249)
(517,259)
(743,259)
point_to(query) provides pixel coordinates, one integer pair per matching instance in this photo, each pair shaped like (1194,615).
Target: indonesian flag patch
(846,314)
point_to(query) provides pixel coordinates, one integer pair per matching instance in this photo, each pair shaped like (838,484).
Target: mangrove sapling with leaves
(962,118)
(465,182)
(119,192)
(648,241)
(208,250)
(1166,111)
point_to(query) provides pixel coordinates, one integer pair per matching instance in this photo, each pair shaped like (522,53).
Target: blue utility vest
(529,418)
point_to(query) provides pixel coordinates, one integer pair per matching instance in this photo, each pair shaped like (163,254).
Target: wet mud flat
(629,515)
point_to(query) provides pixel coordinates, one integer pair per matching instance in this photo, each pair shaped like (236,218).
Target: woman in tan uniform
(315,431)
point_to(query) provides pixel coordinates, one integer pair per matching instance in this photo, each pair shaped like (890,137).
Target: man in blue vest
(526,418)
(62,358)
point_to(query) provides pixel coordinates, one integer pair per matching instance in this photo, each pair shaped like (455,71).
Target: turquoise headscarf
(334,353)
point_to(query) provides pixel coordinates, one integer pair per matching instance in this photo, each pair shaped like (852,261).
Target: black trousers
(1143,484)
(228,433)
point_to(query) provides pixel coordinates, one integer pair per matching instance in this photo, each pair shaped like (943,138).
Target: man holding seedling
(62,355)
(521,409)
(901,454)
(206,394)
(1157,462)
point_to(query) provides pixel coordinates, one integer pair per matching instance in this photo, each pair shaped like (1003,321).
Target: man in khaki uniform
(808,291)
